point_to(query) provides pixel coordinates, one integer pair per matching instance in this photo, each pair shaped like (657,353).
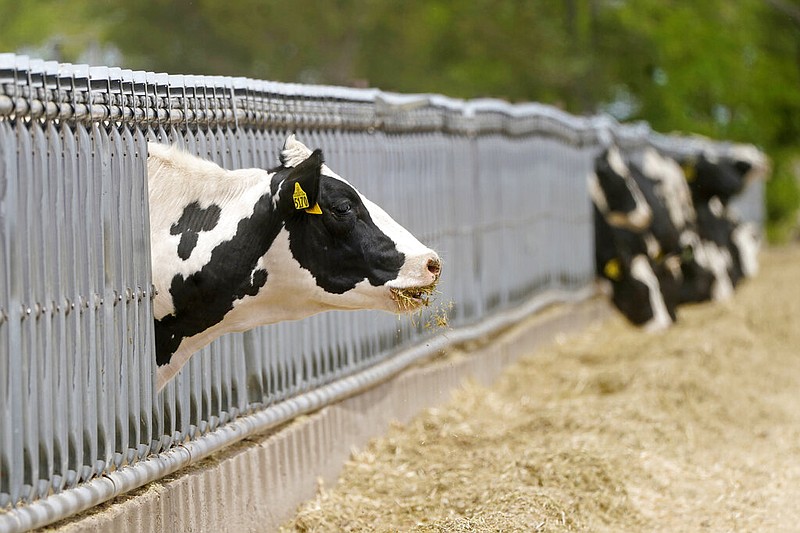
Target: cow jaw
(642,271)
(745,237)
(293,292)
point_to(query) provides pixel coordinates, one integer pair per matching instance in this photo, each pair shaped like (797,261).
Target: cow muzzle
(415,286)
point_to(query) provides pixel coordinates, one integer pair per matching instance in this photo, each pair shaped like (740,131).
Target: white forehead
(405,242)
(616,162)
(653,164)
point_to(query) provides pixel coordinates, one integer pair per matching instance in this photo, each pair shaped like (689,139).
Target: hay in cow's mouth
(411,298)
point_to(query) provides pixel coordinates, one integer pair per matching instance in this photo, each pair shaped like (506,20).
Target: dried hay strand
(414,301)
(696,428)
(412,298)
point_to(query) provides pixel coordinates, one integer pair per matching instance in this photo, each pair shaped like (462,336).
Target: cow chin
(404,299)
(410,293)
(411,299)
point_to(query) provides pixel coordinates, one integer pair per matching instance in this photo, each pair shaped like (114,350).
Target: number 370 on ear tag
(301,201)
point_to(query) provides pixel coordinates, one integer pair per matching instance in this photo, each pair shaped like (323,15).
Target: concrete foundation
(257,484)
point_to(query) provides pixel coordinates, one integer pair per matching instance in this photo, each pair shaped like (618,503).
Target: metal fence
(497,189)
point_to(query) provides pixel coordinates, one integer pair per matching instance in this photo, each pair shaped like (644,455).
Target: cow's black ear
(689,167)
(300,191)
(742,167)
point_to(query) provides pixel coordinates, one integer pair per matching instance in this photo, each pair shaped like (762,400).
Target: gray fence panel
(497,189)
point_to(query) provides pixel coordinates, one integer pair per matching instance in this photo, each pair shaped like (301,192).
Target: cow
(723,175)
(734,244)
(615,195)
(644,284)
(637,282)
(703,274)
(714,179)
(236,249)
(664,234)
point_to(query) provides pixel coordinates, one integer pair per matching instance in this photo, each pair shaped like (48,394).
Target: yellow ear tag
(612,269)
(314,210)
(689,171)
(300,198)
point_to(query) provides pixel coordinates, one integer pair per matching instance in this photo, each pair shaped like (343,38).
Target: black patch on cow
(629,295)
(698,281)
(619,197)
(661,225)
(193,220)
(632,298)
(343,246)
(202,299)
(723,178)
(742,167)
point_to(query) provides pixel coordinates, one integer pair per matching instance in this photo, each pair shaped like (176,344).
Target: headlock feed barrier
(498,190)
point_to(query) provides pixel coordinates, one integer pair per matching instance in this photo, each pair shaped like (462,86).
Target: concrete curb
(257,484)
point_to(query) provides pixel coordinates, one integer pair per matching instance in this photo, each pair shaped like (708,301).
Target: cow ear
(300,190)
(742,167)
(689,167)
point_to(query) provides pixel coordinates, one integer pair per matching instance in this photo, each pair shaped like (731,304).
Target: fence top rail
(47,89)
(38,89)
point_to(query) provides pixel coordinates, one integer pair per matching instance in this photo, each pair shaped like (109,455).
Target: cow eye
(342,208)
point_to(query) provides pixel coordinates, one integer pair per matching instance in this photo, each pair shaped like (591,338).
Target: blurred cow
(664,237)
(724,175)
(627,254)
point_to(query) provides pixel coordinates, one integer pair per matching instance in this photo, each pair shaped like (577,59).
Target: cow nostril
(434,267)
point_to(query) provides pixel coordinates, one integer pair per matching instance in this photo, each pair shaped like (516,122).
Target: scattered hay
(696,428)
(438,319)
(416,304)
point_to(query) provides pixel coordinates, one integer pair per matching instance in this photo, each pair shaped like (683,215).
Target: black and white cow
(615,194)
(713,180)
(236,249)
(725,175)
(643,285)
(688,248)
(703,267)
(733,243)
(636,284)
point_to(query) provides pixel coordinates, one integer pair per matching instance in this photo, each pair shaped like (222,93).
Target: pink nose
(434,267)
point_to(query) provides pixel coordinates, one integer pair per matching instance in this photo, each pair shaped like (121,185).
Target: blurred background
(721,68)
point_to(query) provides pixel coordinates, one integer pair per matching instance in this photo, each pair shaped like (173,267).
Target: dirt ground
(693,429)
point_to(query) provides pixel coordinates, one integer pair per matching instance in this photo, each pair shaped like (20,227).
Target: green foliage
(62,28)
(783,199)
(718,68)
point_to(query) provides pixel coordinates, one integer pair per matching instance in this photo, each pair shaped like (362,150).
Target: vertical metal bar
(11,438)
(73,313)
(148,404)
(44,278)
(57,308)
(29,365)
(85,391)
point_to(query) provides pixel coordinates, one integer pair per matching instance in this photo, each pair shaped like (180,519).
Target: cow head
(672,187)
(233,250)
(710,175)
(357,256)
(646,296)
(616,195)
